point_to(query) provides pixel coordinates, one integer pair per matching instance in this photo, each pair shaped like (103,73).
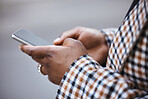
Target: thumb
(69,42)
(58,41)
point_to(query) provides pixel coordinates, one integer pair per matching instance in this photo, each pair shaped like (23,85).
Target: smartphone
(28,38)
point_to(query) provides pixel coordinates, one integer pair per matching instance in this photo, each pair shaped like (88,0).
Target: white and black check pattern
(126,73)
(126,36)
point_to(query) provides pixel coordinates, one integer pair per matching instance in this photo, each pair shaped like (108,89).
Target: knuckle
(77,43)
(67,40)
(49,52)
(30,51)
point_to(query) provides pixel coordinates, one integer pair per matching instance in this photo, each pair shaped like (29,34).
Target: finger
(35,51)
(41,60)
(69,42)
(44,70)
(57,41)
(74,33)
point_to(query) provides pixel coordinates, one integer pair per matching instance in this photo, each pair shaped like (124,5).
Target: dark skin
(92,39)
(56,59)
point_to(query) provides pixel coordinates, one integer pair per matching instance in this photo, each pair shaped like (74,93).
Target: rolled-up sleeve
(109,35)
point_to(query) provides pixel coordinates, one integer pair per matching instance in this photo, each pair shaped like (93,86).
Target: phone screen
(26,37)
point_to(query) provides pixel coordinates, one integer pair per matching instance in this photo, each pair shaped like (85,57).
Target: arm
(87,79)
(95,41)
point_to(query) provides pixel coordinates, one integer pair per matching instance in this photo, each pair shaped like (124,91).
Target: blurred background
(19,78)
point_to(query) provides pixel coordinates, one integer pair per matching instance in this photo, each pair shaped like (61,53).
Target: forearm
(87,79)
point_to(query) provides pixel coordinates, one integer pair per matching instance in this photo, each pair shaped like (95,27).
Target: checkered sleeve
(86,79)
(109,35)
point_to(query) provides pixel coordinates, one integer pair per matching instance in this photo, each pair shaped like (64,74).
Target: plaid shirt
(126,72)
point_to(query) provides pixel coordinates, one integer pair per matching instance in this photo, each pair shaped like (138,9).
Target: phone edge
(20,40)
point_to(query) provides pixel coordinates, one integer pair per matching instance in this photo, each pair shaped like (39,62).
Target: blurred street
(19,78)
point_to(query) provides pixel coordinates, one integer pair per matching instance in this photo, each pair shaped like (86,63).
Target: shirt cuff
(109,35)
(83,66)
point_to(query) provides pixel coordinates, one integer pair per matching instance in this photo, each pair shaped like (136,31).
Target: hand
(93,40)
(56,59)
